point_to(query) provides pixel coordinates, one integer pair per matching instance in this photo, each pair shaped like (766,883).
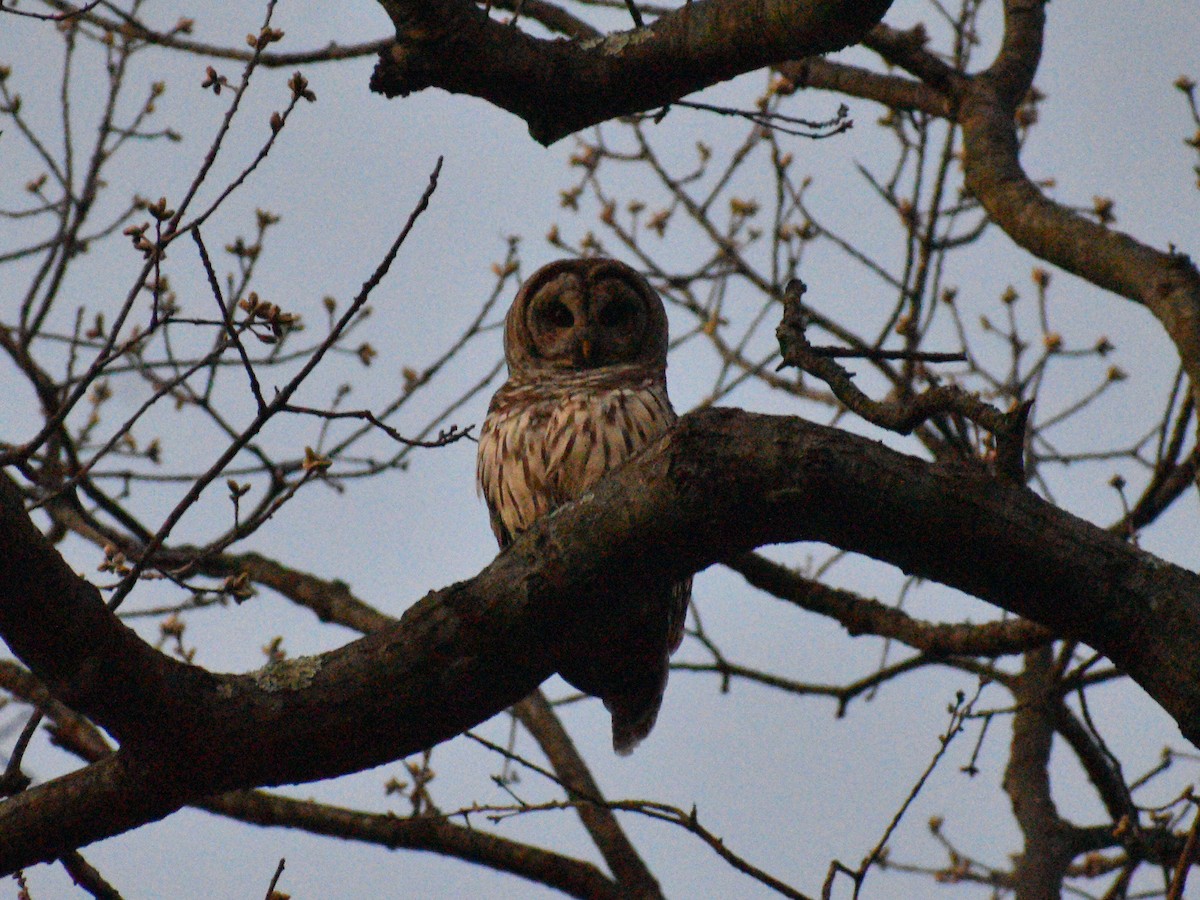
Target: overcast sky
(785,782)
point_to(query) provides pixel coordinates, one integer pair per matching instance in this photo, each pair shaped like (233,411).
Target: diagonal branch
(601,823)
(985,105)
(433,834)
(722,482)
(861,615)
(430,833)
(1166,283)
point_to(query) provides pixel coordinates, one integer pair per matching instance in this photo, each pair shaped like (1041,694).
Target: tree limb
(433,834)
(635,878)
(861,615)
(722,482)
(1166,283)
(1042,865)
(559,86)
(429,833)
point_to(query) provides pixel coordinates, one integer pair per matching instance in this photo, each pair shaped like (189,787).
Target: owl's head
(585,314)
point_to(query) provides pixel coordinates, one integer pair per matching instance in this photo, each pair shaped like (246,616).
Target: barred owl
(586,347)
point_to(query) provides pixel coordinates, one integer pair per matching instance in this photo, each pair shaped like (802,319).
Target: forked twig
(906,413)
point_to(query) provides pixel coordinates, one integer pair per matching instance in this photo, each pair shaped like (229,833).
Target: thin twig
(278,403)
(275,879)
(445,436)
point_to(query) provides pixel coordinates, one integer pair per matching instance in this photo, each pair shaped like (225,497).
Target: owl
(586,346)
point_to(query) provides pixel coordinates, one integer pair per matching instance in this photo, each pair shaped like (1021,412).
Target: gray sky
(783,781)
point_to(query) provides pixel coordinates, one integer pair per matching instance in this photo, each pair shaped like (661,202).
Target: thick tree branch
(890,90)
(1167,283)
(1042,865)
(559,87)
(429,833)
(601,823)
(333,602)
(722,482)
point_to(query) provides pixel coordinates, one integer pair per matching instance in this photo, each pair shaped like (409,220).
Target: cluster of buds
(238,587)
(157,89)
(586,157)
(314,461)
(214,81)
(171,629)
(265,219)
(270,314)
(299,86)
(366,353)
(743,209)
(114,561)
(569,198)
(274,651)
(805,231)
(242,250)
(137,233)
(504,269)
(1102,209)
(658,221)
(264,38)
(160,210)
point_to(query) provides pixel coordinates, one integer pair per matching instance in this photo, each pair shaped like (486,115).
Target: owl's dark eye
(616,313)
(557,315)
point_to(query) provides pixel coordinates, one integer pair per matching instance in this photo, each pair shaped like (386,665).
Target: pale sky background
(784,782)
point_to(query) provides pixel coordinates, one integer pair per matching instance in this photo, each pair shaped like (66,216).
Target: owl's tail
(625,661)
(633,716)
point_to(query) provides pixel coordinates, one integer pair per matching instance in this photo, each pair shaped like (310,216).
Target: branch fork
(903,414)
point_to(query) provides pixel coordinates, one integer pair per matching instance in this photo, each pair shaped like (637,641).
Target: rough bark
(722,482)
(1043,862)
(560,86)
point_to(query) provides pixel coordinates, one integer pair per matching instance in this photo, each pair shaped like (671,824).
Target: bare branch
(860,615)
(709,479)
(559,87)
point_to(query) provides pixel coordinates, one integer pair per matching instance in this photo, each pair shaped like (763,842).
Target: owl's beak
(585,348)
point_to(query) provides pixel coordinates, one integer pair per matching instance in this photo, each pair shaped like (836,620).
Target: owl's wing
(489,475)
(511,467)
(681,596)
(503,536)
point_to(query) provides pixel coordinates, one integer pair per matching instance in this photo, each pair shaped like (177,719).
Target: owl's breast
(540,450)
(591,433)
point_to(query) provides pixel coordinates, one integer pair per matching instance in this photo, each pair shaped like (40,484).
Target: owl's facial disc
(618,316)
(577,325)
(555,317)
